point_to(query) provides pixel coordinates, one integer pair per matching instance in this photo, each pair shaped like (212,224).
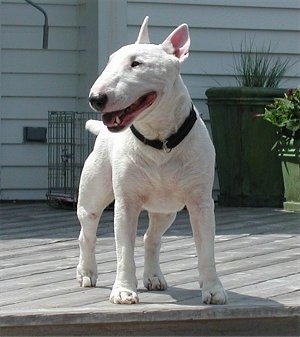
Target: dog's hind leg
(203,224)
(95,193)
(158,224)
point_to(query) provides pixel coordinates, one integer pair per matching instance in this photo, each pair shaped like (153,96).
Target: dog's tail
(94,126)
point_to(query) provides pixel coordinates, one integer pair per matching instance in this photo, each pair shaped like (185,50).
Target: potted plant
(284,113)
(249,173)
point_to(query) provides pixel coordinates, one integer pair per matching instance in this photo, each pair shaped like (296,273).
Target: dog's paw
(213,293)
(121,295)
(155,281)
(86,278)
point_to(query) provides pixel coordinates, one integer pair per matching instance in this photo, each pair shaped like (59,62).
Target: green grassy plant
(256,68)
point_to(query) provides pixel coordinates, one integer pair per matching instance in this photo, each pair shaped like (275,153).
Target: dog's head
(137,76)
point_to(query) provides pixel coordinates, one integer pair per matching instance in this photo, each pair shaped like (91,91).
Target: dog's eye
(135,64)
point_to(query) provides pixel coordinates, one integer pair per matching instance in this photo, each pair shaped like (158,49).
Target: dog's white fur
(140,177)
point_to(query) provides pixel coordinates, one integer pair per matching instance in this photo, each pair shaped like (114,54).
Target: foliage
(285,112)
(259,68)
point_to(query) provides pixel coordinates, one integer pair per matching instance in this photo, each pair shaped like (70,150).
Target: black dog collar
(168,144)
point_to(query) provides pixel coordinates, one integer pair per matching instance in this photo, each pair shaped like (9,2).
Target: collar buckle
(165,146)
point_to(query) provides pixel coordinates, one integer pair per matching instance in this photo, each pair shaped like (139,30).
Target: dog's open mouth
(118,120)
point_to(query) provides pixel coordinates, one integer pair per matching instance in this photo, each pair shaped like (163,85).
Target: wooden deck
(257,254)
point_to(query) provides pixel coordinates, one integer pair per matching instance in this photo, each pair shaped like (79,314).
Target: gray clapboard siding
(60,13)
(60,38)
(12,131)
(15,155)
(215,16)
(13,175)
(39,85)
(224,67)
(21,194)
(27,62)
(21,107)
(34,82)
(222,39)
(227,3)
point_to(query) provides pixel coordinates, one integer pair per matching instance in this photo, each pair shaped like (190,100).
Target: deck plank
(257,256)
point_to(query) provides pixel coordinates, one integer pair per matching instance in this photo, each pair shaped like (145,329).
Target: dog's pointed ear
(143,34)
(178,42)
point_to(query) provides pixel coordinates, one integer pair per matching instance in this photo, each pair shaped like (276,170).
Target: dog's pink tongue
(109,118)
(125,116)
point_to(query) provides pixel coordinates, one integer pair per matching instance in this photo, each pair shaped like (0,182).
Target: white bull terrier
(162,161)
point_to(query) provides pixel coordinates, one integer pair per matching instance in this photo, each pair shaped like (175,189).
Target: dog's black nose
(98,102)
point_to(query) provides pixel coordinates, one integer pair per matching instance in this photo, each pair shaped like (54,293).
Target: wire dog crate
(68,147)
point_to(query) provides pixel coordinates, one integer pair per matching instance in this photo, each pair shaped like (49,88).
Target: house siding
(82,35)
(34,81)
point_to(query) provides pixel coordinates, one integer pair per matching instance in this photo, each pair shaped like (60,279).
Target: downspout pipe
(46,26)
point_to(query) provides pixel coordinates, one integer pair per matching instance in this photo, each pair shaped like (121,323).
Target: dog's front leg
(95,193)
(87,266)
(125,224)
(203,224)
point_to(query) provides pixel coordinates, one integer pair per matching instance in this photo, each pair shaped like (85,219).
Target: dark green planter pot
(290,164)
(249,172)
